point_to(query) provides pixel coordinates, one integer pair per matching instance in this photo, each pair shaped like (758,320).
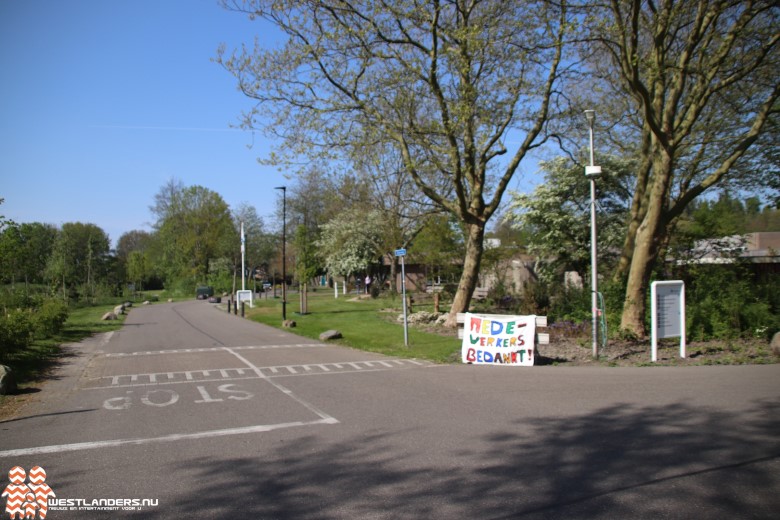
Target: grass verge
(366,324)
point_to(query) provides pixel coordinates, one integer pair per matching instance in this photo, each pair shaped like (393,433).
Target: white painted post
(243,254)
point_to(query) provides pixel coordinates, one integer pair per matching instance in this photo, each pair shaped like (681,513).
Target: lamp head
(590,115)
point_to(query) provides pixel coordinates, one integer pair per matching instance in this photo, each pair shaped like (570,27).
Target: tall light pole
(592,172)
(284,250)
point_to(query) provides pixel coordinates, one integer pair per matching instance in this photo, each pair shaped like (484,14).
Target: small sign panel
(669,313)
(245,296)
(400,252)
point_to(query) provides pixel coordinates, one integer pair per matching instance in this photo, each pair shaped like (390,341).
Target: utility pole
(284,250)
(592,172)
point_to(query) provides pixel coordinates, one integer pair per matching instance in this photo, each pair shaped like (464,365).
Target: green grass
(366,324)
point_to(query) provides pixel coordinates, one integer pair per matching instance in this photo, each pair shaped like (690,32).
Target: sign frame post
(669,316)
(402,253)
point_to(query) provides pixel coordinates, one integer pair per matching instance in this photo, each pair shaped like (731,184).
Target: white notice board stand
(244,296)
(667,313)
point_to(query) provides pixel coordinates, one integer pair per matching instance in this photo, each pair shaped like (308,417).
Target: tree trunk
(649,239)
(394,275)
(638,210)
(468,280)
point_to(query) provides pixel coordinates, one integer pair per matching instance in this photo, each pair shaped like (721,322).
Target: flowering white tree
(350,242)
(556,216)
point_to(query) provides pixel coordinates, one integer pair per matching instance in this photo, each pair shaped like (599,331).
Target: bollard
(235,307)
(228,306)
(242,308)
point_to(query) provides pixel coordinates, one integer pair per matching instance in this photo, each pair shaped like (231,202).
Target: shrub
(757,319)
(50,317)
(535,299)
(16,330)
(572,304)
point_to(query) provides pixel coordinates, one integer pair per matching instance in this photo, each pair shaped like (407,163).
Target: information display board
(667,313)
(245,296)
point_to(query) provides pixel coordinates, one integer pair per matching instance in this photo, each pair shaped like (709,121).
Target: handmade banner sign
(499,341)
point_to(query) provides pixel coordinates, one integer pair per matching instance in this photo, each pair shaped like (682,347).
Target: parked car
(215,299)
(203,292)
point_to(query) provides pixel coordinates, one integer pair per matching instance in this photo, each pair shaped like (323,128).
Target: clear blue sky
(103,101)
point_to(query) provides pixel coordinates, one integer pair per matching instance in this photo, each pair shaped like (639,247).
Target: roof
(762,247)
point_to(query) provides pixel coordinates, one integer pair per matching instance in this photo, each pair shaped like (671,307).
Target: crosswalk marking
(222,374)
(213,349)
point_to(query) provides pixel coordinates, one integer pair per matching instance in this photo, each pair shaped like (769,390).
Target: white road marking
(324,418)
(322,415)
(106,339)
(239,373)
(212,349)
(79,446)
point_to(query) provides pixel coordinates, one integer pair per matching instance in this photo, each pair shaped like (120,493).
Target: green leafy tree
(439,247)
(447,83)
(699,80)
(138,268)
(135,240)
(10,260)
(80,259)
(135,254)
(308,262)
(37,241)
(194,226)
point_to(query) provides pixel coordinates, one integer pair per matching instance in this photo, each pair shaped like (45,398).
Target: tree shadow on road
(674,461)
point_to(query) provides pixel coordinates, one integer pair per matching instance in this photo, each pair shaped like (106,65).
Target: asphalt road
(205,415)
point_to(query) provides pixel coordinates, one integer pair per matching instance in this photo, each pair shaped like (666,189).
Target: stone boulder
(7,380)
(774,346)
(289,324)
(108,316)
(119,309)
(330,334)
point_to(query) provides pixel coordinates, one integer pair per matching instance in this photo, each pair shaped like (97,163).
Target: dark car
(203,292)
(215,299)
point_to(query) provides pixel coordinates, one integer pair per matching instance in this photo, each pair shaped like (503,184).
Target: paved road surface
(212,416)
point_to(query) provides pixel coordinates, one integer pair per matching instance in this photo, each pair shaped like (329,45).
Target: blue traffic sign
(400,252)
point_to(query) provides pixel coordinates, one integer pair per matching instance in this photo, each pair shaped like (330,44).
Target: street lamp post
(284,250)
(592,172)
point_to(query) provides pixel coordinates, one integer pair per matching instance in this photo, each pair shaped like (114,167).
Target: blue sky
(103,101)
